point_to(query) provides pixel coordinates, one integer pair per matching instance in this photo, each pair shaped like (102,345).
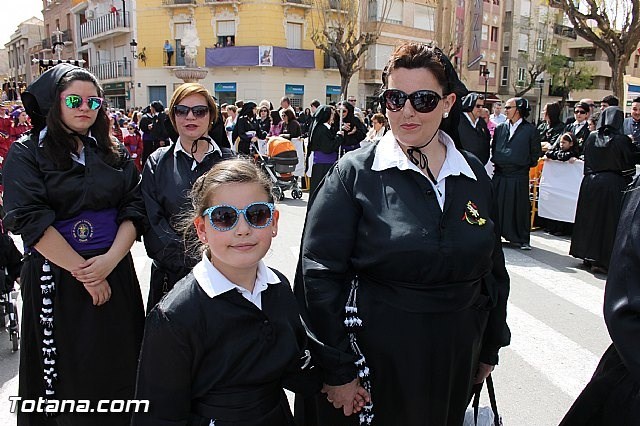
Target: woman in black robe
(246,130)
(608,169)
(612,396)
(401,273)
(73,195)
(324,142)
(514,152)
(353,128)
(473,131)
(166,180)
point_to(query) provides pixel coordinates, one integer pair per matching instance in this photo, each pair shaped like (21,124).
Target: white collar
(473,123)
(389,154)
(213,147)
(516,124)
(214,283)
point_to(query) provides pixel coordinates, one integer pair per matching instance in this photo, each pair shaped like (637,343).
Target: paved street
(555,314)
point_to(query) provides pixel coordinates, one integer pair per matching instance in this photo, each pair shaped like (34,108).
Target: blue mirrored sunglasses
(224,217)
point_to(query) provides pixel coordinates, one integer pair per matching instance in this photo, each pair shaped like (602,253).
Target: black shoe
(525,246)
(599,270)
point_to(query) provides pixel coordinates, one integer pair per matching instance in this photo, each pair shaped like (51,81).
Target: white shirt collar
(212,282)
(513,127)
(213,147)
(473,123)
(79,158)
(389,154)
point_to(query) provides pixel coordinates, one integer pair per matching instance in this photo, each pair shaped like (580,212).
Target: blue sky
(15,12)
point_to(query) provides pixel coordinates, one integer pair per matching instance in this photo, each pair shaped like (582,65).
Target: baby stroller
(10,264)
(279,166)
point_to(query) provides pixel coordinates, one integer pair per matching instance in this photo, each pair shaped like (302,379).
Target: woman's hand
(347,396)
(100,292)
(94,270)
(572,160)
(483,372)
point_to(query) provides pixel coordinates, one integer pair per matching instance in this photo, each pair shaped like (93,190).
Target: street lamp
(485,73)
(142,56)
(540,86)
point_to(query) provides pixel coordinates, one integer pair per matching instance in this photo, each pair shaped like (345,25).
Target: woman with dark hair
(158,130)
(167,178)
(401,273)
(324,143)
(20,125)
(608,169)
(73,194)
(551,127)
(115,129)
(474,134)
(291,130)
(246,129)
(515,149)
(353,128)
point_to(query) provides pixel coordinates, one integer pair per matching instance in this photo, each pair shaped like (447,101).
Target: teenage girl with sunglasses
(219,348)
(73,194)
(168,175)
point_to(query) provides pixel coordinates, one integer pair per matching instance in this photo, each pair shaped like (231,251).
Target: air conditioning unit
(89,14)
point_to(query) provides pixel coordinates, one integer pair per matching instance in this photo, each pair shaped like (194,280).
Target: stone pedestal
(190,75)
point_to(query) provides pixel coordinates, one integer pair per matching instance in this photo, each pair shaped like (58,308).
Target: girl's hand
(483,372)
(572,160)
(94,270)
(100,293)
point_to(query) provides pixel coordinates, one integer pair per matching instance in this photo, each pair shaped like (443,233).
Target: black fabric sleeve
(497,333)
(131,204)
(164,372)
(535,148)
(243,126)
(326,274)
(622,292)
(160,240)
(28,213)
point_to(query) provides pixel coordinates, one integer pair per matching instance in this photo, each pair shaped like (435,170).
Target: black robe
(432,289)
(582,134)
(97,347)
(476,140)
(223,358)
(600,198)
(244,124)
(513,157)
(325,141)
(166,182)
(612,397)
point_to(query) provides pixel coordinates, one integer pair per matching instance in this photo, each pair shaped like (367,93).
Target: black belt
(238,405)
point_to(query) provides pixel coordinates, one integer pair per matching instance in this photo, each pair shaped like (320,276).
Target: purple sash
(90,230)
(320,157)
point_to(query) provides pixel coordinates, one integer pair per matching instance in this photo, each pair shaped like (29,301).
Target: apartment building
(58,36)
(251,50)
(25,37)
(105,34)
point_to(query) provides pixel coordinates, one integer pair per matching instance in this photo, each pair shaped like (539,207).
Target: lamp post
(484,72)
(540,86)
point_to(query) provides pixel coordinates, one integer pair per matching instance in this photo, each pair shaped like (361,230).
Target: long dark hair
(59,144)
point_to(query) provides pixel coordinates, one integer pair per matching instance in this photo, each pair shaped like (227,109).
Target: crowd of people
(419,239)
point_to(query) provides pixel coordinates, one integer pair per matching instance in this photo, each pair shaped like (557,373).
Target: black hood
(610,124)
(469,102)
(247,109)
(321,116)
(40,95)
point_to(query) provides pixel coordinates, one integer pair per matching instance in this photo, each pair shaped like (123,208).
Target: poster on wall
(265,57)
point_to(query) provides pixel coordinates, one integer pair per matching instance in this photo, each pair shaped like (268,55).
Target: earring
(204,240)
(446,114)
(273,233)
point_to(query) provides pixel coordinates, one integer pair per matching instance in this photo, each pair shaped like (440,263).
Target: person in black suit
(580,127)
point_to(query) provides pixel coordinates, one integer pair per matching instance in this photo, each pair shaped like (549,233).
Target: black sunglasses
(224,217)
(198,111)
(579,111)
(508,107)
(423,101)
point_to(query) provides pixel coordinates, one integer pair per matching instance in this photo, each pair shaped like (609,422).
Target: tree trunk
(617,77)
(345,78)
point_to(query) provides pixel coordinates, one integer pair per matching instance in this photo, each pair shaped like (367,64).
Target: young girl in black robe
(221,345)
(73,194)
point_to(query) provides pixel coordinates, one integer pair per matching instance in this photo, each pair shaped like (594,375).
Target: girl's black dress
(96,348)
(432,288)
(221,360)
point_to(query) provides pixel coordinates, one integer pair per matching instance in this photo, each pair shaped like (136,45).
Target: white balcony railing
(111,70)
(104,24)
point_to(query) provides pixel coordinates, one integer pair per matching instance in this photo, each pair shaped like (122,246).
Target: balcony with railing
(105,26)
(301,3)
(565,32)
(46,43)
(111,70)
(178,3)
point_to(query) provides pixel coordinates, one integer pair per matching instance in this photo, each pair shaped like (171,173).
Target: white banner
(559,189)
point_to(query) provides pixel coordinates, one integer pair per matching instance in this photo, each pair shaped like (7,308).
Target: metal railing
(103,24)
(111,70)
(564,31)
(177,2)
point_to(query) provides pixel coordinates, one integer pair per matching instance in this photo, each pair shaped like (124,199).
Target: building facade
(105,33)
(26,36)
(251,50)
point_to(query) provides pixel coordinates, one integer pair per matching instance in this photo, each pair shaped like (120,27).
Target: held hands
(100,293)
(95,270)
(483,372)
(351,397)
